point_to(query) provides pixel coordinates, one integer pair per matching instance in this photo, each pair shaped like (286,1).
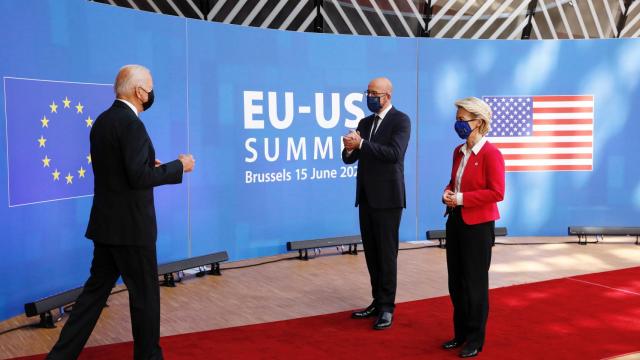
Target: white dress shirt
(130,105)
(467,154)
(381,116)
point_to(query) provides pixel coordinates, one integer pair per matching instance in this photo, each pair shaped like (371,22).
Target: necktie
(376,121)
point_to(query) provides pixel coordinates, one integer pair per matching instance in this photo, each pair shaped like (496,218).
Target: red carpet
(585,317)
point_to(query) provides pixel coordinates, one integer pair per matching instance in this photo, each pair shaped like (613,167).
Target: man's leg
(370,249)
(387,225)
(88,306)
(139,268)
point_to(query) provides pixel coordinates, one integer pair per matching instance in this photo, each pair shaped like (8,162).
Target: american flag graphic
(543,133)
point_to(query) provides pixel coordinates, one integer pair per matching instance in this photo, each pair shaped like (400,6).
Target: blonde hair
(479,109)
(129,77)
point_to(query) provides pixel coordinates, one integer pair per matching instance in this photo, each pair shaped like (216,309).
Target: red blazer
(482,184)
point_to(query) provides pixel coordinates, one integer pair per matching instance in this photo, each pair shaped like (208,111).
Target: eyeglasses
(373,93)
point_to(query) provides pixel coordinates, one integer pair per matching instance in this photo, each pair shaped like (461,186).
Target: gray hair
(479,109)
(129,77)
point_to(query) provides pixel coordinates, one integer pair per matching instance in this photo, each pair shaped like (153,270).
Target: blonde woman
(471,196)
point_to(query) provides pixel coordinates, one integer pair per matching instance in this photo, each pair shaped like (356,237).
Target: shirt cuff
(360,146)
(459,199)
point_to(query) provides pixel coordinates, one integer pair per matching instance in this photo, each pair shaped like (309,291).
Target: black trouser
(379,231)
(139,269)
(468,261)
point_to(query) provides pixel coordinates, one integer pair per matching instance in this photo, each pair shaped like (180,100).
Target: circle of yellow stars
(42,141)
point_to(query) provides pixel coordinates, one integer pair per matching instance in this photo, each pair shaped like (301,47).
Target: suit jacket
(123,161)
(482,183)
(381,160)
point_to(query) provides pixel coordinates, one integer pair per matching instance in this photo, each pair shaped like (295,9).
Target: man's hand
(352,140)
(158,163)
(188,162)
(449,198)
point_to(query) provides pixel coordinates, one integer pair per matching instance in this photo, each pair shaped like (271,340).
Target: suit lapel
(471,169)
(368,127)
(384,124)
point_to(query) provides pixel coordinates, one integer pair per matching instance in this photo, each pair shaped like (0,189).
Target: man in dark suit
(379,145)
(122,223)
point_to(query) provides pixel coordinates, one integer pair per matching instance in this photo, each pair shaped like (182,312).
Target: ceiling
(469,19)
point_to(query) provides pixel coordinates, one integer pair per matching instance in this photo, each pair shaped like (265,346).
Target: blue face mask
(373,103)
(463,129)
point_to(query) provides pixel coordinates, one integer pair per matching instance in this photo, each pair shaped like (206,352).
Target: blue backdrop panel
(536,203)
(239,81)
(48,126)
(263,112)
(43,246)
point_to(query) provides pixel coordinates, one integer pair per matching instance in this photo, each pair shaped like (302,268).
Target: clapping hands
(352,140)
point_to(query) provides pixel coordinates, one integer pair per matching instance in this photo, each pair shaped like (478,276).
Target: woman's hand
(449,198)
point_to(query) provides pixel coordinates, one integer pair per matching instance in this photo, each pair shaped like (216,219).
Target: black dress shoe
(467,352)
(384,320)
(452,344)
(370,311)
